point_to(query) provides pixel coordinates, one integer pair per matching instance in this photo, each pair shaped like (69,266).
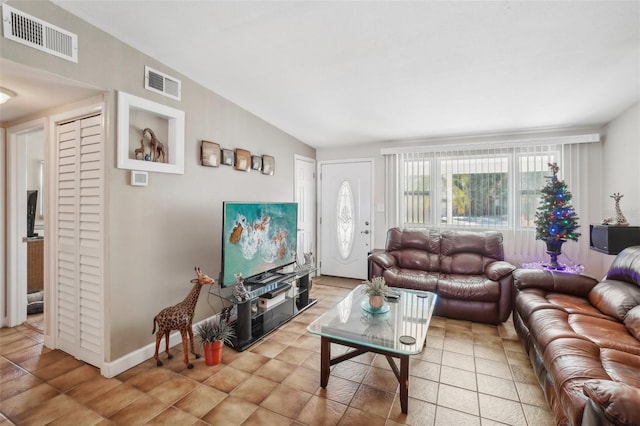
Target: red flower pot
(213,352)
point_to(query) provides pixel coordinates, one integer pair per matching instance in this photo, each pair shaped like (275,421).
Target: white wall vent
(161,83)
(31,31)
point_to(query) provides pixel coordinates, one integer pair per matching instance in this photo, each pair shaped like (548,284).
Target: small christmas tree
(556,221)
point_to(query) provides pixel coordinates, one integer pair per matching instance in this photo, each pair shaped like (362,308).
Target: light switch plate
(139,178)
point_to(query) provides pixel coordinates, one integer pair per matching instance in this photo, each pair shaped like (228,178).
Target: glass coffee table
(397,330)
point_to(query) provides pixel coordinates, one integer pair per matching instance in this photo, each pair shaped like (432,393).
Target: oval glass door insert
(344,219)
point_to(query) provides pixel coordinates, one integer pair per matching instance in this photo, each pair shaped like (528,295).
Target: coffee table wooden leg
(404,383)
(325,359)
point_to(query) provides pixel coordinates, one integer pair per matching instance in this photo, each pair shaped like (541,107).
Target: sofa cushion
(600,330)
(463,264)
(410,278)
(626,265)
(487,243)
(419,260)
(467,287)
(532,299)
(427,240)
(549,325)
(618,401)
(632,322)
(621,366)
(570,362)
(615,298)
(499,269)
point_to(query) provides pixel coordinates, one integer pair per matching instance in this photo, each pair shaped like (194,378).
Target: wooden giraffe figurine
(140,150)
(179,317)
(157,147)
(620,219)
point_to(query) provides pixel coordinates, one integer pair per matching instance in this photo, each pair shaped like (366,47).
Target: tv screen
(257,238)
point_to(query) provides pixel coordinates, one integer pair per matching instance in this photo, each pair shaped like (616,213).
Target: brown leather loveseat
(466,269)
(583,340)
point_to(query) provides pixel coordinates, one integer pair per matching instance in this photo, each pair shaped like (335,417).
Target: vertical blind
(483,187)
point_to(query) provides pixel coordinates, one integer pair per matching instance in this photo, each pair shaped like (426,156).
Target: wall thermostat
(139,178)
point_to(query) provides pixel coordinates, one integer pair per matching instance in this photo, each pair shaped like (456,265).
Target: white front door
(345,220)
(305,196)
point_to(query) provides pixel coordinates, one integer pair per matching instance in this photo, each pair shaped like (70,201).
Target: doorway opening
(26,233)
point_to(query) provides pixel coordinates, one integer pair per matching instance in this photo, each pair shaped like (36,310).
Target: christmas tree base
(554,249)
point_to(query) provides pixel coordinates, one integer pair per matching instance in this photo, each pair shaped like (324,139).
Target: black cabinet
(609,239)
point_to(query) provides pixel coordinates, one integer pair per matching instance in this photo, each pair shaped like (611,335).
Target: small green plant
(212,331)
(377,286)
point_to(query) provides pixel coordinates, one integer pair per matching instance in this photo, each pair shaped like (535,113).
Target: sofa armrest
(612,401)
(383,259)
(499,269)
(554,281)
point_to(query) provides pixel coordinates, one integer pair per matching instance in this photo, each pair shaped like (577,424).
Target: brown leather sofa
(466,269)
(583,340)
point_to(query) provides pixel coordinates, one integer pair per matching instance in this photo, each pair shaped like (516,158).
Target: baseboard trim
(130,360)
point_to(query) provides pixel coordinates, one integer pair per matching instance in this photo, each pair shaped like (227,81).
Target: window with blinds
(488,188)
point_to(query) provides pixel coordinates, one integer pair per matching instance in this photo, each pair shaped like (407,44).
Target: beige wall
(620,160)
(158,233)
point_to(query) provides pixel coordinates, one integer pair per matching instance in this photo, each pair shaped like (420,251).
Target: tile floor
(468,374)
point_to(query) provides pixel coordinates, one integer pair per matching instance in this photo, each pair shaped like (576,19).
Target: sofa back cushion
(423,239)
(632,322)
(469,252)
(415,248)
(619,292)
(615,298)
(626,266)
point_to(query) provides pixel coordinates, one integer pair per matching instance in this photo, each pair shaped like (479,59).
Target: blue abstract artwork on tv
(257,237)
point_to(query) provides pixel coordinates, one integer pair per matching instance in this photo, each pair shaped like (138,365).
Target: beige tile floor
(468,374)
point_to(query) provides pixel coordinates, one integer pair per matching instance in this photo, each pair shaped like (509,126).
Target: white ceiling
(336,73)
(36,90)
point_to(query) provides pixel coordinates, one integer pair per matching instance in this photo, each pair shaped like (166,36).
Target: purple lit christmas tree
(556,221)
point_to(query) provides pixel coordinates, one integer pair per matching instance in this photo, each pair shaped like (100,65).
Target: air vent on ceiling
(31,31)
(162,83)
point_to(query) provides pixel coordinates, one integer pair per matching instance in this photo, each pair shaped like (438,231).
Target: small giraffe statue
(140,150)
(179,317)
(620,219)
(157,147)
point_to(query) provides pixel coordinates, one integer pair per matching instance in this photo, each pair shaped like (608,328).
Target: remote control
(393,296)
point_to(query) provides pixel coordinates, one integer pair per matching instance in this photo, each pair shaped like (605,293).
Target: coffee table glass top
(401,328)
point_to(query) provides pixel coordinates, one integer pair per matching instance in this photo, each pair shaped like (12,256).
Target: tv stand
(265,278)
(289,294)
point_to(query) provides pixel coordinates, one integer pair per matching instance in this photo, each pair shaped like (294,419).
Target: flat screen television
(257,240)
(32,205)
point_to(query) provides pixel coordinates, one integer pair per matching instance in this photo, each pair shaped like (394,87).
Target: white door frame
(312,199)
(16,222)
(319,192)
(3,227)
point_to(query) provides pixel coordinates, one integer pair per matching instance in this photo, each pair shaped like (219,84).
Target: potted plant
(376,289)
(213,334)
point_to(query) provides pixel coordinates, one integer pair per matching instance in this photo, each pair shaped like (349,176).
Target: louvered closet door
(80,239)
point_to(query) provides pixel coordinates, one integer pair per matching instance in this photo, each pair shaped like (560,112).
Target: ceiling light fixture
(6,94)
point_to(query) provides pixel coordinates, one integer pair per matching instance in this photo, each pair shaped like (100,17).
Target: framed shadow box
(150,136)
